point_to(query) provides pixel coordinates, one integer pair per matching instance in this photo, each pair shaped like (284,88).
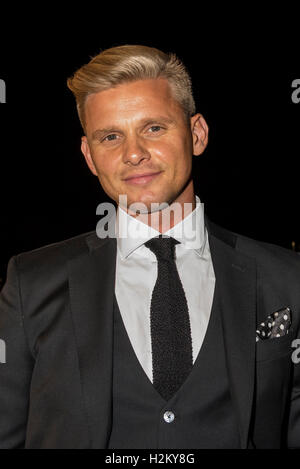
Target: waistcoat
(200,415)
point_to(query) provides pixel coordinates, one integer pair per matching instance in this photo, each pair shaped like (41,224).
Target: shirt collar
(132,233)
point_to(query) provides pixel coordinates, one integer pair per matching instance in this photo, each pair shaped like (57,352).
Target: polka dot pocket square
(276,325)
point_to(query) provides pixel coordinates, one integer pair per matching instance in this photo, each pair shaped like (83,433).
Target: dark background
(248,178)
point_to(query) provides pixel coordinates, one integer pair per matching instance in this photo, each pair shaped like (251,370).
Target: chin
(145,200)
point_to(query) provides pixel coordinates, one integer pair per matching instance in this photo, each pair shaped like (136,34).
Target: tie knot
(162,247)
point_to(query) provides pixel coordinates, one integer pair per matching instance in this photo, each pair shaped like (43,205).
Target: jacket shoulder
(54,254)
(268,253)
(263,252)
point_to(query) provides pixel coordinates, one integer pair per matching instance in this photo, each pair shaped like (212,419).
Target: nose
(135,151)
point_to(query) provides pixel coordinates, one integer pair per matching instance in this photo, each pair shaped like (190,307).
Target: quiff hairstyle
(129,63)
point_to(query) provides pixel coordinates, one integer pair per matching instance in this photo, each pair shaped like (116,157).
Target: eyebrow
(142,123)
(100,132)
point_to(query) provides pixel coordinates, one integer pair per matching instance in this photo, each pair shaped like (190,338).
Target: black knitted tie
(170,324)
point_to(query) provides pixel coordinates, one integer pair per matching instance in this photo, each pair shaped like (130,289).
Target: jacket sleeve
(16,363)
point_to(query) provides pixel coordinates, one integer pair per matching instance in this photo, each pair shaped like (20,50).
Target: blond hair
(130,63)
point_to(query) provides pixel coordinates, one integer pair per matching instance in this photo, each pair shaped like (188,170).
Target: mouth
(142,178)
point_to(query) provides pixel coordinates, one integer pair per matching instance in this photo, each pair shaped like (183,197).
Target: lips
(141,178)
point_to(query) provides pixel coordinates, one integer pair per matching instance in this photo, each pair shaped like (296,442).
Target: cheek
(170,152)
(177,155)
(106,169)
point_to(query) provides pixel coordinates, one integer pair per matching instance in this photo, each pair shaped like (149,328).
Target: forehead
(132,100)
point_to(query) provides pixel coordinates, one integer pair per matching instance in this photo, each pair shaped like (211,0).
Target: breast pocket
(272,349)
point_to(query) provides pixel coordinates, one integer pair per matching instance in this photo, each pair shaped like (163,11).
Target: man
(170,332)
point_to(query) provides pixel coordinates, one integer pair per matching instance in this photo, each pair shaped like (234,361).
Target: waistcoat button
(169,416)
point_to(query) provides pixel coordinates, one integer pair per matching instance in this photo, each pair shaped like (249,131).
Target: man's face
(139,143)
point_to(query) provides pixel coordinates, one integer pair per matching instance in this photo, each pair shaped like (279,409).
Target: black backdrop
(247,178)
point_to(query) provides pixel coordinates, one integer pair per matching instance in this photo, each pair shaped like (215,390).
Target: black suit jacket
(56,321)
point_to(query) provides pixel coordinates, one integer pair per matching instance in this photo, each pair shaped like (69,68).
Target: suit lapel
(236,276)
(91,283)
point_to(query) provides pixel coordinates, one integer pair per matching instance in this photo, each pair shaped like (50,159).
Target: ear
(199,130)
(85,148)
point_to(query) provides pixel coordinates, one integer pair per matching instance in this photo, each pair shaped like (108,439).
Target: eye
(155,128)
(110,138)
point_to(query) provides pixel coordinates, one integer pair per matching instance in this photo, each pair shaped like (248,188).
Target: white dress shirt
(136,274)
